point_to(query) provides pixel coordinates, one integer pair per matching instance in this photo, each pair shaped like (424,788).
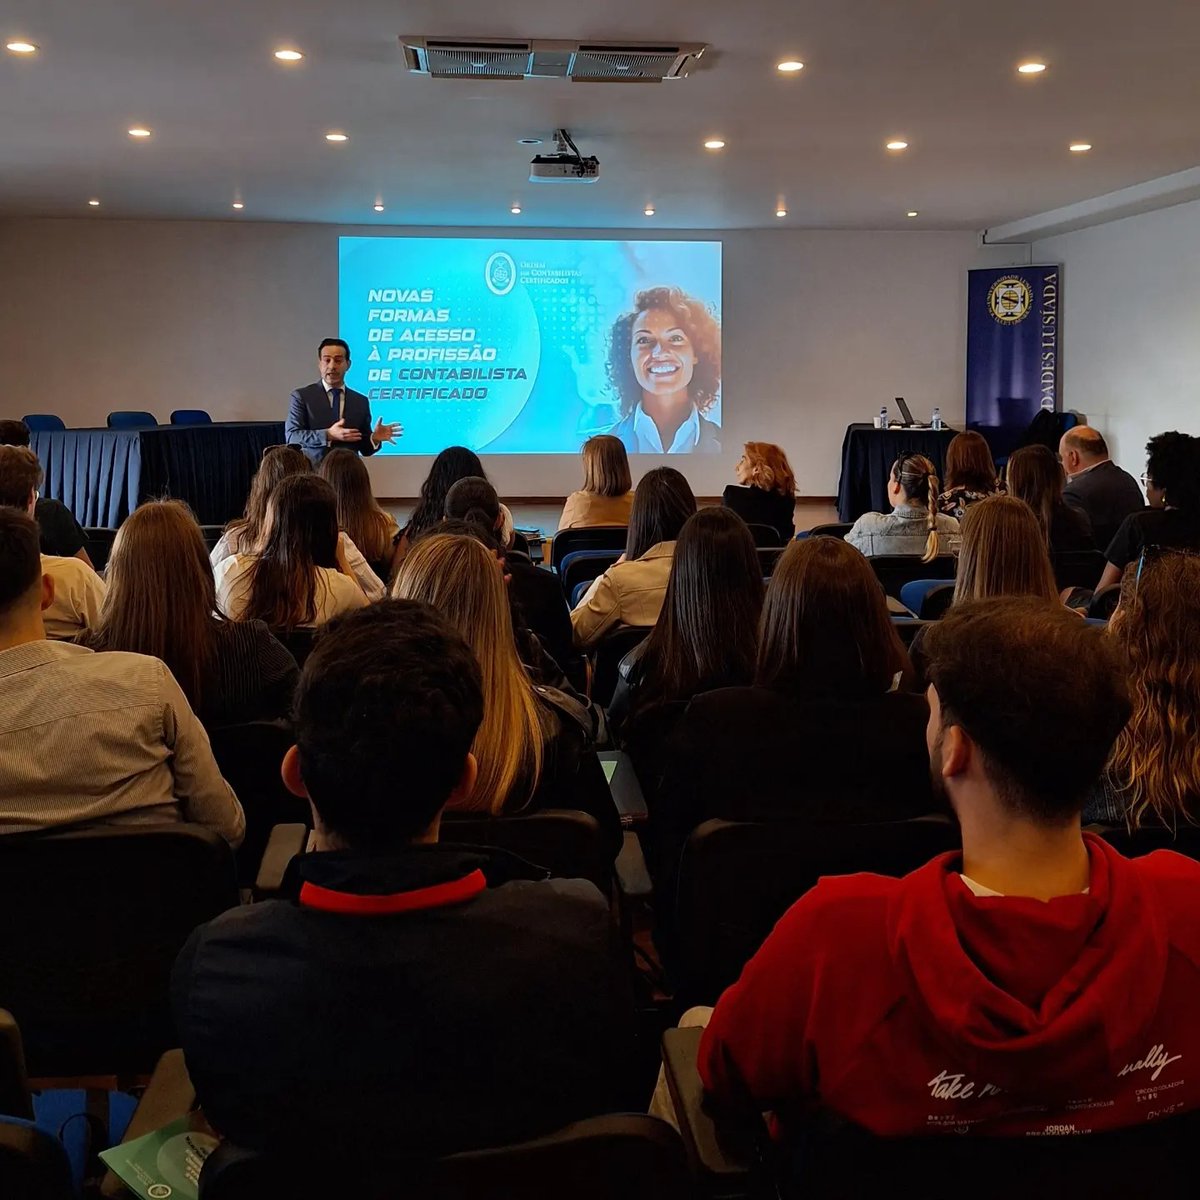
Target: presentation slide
(514,346)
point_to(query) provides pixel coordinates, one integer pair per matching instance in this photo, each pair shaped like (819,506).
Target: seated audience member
(632,591)
(1035,476)
(92,738)
(451,465)
(1153,776)
(534,747)
(62,535)
(970,474)
(1034,980)
(705,638)
(914,526)
(536,596)
(373,531)
(246,534)
(1172,482)
(161,601)
(607,493)
(299,579)
(765,493)
(78,590)
(1096,484)
(482,1002)
(1003,553)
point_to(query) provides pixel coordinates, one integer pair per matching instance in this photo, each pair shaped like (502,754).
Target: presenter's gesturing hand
(386,433)
(339,431)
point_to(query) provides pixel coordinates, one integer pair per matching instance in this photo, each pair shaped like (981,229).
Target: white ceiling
(986,145)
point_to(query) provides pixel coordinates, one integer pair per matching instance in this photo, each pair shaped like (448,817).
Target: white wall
(820,328)
(1131,325)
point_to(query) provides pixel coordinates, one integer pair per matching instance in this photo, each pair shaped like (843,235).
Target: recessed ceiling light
(94,203)
(789,65)
(238,205)
(379,208)
(1080,147)
(139,131)
(912,212)
(21,48)
(649,210)
(1031,68)
(714,144)
(529,141)
(897,144)
(781,212)
(288,55)
(337,137)
(515,210)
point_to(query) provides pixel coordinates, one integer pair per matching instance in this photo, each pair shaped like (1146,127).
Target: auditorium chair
(606,658)
(43,423)
(731,1155)
(594,537)
(190,416)
(765,536)
(95,918)
(1184,839)
(299,642)
(895,570)
(100,543)
(131,419)
(33,1165)
(907,628)
(582,566)
(737,878)
(212,535)
(928,598)
(1078,568)
(837,530)
(768,558)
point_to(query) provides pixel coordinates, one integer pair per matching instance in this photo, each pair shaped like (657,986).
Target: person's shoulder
(1174,879)
(566,905)
(845,912)
(73,571)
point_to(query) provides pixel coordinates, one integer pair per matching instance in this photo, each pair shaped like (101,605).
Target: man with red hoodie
(1037,983)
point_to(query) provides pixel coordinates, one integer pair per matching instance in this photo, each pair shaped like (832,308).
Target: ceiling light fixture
(649,210)
(897,144)
(714,144)
(288,55)
(94,203)
(781,212)
(378,208)
(334,136)
(139,131)
(1031,68)
(21,48)
(912,212)
(238,205)
(790,65)
(1079,147)
(515,210)
(529,141)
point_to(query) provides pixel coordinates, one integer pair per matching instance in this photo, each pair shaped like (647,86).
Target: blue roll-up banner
(1014,350)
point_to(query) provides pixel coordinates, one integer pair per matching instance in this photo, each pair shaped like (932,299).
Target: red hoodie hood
(1026,989)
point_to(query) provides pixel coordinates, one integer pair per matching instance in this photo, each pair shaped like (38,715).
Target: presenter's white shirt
(336,593)
(645,433)
(78,594)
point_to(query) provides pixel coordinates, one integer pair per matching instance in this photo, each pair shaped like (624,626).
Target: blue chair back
(190,416)
(43,422)
(913,593)
(128,419)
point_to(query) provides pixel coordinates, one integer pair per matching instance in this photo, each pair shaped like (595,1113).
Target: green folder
(163,1164)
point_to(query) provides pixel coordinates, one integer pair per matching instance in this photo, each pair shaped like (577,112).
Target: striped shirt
(103,738)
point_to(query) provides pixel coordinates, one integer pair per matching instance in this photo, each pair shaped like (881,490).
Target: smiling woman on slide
(664,364)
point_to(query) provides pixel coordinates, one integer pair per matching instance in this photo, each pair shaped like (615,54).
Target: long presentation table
(867,457)
(102,475)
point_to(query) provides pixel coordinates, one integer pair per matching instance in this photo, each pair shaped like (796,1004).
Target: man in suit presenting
(328,414)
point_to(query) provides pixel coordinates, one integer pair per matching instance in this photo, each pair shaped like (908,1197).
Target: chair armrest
(15,1098)
(285,843)
(168,1096)
(633,876)
(625,788)
(721,1152)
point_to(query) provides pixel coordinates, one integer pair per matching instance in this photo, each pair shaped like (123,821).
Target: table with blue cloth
(867,457)
(102,475)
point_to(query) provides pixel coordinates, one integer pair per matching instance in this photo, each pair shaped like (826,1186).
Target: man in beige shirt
(78,590)
(92,738)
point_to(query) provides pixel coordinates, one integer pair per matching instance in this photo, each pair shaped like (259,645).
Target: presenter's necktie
(335,399)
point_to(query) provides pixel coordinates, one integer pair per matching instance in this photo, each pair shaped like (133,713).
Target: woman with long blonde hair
(1153,776)
(160,601)
(1003,553)
(534,747)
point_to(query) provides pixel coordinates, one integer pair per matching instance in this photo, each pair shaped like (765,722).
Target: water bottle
(936,421)
(883,417)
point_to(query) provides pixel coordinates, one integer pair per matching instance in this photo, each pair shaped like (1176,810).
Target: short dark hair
(334,342)
(20,474)
(1173,465)
(1044,734)
(20,557)
(14,433)
(473,499)
(395,674)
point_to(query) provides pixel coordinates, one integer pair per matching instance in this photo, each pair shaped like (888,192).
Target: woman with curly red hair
(664,364)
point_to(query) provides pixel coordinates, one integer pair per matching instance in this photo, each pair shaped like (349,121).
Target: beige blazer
(629,593)
(583,509)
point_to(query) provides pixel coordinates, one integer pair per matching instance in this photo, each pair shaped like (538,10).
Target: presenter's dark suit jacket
(310,414)
(710,436)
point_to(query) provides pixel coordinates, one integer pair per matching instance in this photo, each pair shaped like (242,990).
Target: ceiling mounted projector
(566,165)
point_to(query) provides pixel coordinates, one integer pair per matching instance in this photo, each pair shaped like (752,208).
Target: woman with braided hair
(914,526)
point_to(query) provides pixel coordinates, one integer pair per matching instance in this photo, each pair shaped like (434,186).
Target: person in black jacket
(409,998)
(1096,484)
(766,491)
